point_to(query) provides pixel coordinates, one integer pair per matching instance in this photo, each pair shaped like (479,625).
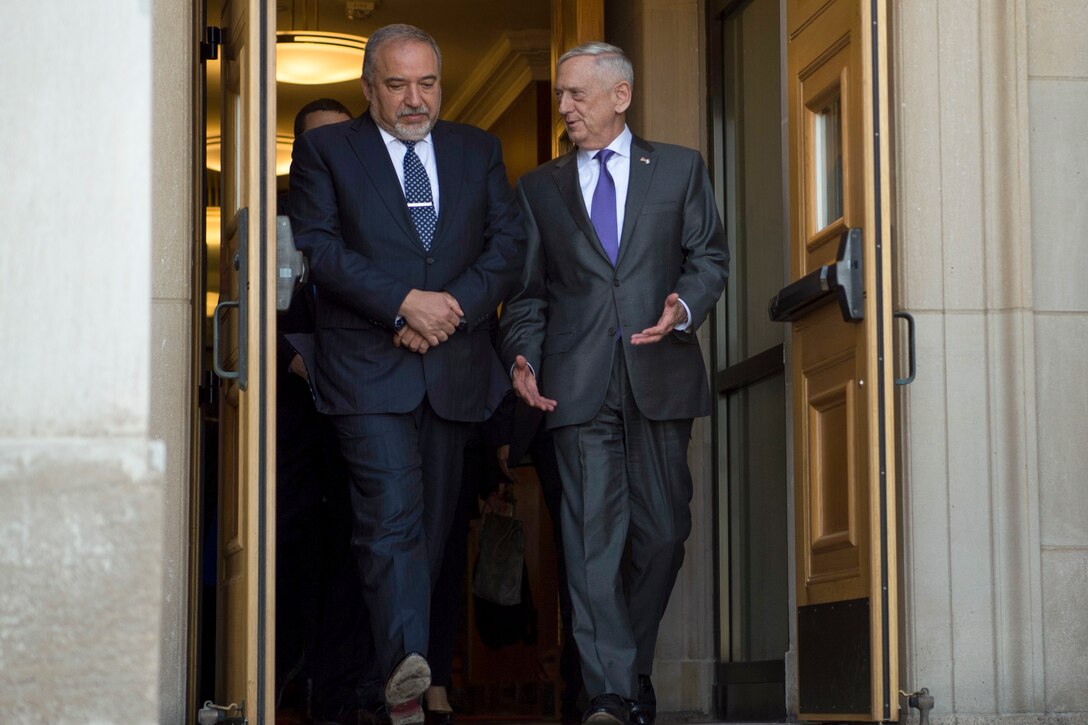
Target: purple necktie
(603,208)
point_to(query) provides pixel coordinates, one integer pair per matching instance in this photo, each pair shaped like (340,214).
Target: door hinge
(208,391)
(209,46)
(212,714)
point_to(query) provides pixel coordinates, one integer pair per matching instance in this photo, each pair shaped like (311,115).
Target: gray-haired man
(626,256)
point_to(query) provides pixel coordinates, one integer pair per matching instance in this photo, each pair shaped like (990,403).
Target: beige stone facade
(989,101)
(989,104)
(82,476)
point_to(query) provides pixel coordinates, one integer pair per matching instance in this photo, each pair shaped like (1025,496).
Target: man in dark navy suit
(413,238)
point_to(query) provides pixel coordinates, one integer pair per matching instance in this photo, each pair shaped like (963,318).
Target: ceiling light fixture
(315,57)
(309,57)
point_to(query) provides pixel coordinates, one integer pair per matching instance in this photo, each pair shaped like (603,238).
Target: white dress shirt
(619,166)
(425,152)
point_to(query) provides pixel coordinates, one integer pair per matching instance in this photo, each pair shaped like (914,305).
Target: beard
(414,131)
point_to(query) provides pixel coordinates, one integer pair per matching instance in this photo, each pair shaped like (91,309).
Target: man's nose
(413,97)
(564,103)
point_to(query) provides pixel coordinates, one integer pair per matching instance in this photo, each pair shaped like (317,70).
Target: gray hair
(609,57)
(398,32)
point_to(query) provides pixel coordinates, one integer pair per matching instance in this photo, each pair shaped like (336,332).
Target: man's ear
(622,93)
(366,87)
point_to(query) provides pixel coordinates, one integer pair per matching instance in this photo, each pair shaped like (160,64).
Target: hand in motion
(671,316)
(434,315)
(525,386)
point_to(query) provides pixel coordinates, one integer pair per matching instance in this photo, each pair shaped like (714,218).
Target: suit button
(615,283)
(430,260)
(611,331)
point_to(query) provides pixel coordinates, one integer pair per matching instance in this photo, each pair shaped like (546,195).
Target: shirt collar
(389,138)
(621,145)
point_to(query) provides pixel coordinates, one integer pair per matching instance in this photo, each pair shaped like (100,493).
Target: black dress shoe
(438,717)
(607,709)
(644,711)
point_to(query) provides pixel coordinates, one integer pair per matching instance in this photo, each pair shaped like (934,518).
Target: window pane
(828,163)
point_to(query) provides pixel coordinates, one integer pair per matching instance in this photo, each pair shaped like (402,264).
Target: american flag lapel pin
(643,159)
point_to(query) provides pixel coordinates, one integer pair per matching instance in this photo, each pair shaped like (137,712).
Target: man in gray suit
(626,257)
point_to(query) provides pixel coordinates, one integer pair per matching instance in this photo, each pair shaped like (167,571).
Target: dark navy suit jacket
(350,219)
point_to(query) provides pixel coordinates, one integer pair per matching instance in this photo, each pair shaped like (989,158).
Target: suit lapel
(367,143)
(565,174)
(449,153)
(643,163)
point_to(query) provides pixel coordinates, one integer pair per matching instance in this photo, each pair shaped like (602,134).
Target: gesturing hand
(673,315)
(434,315)
(525,386)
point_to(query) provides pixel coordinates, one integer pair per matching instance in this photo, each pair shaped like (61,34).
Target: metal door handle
(219,369)
(241,263)
(910,346)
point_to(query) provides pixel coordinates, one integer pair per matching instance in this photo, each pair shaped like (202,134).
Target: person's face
(314,119)
(591,101)
(406,94)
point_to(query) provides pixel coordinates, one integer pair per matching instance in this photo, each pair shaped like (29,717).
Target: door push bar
(841,280)
(290,264)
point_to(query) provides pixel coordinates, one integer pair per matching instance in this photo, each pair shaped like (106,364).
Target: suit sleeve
(315,220)
(484,284)
(523,323)
(706,254)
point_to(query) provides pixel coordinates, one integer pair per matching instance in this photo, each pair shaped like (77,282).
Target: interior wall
(989,103)
(664,39)
(524,130)
(81,478)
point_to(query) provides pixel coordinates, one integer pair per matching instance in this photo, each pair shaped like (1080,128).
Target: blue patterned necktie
(603,208)
(417,192)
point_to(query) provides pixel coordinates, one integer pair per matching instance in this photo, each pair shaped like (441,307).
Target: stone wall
(988,103)
(80,478)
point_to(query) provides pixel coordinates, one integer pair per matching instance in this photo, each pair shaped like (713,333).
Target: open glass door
(838,302)
(751,422)
(243,351)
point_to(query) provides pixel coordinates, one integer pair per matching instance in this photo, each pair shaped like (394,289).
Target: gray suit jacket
(564,314)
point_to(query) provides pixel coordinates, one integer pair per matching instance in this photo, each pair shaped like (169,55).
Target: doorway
(508,48)
(751,421)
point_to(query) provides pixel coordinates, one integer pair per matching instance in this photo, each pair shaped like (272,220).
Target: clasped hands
(430,318)
(524,380)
